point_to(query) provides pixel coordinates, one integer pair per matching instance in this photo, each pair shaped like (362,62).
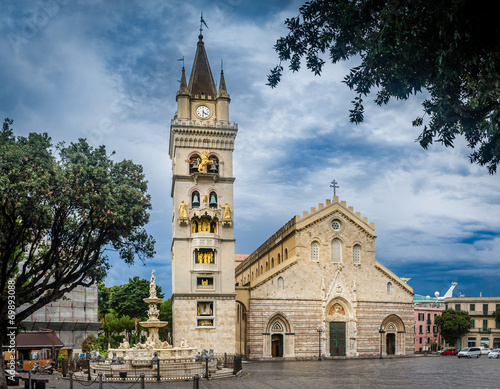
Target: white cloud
(109,73)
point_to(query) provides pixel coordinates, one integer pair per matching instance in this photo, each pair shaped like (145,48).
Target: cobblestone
(419,372)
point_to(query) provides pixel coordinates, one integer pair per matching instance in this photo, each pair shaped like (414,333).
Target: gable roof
(38,339)
(323,211)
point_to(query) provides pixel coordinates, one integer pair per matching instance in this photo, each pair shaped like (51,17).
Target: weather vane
(334,185)
(202,22)
(182,59)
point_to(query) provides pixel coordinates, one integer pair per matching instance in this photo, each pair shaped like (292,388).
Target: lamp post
(381,331)
(320,329)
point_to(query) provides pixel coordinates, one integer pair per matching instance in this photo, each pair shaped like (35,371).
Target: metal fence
(160,370)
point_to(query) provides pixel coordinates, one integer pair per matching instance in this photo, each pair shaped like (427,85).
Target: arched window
(356,254)
(286,254)
(212,203)
(279,257)
(261,269)
(336,251)
(272,262)
(252,276)
(214,166)
(195,199)
(281,283)
(193,163)
(389,287)
(267,265)
(315,251)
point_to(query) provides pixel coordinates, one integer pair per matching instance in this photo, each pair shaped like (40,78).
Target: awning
(37,340)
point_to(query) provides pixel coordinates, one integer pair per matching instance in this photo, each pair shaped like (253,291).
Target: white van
(469,352)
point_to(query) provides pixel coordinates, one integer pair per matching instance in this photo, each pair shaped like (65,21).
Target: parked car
(484,350)
(469,352)
(495,353)
(449,351)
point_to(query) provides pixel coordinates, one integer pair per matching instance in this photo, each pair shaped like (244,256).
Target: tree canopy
(447,48)
(453,325)
(61,209)
(128,299)
(121,308)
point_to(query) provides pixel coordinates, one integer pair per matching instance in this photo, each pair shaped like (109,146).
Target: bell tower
(201,149)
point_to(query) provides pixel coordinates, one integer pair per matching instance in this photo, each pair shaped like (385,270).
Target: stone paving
(419,372)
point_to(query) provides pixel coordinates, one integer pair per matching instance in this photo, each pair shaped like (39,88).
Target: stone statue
(184,343)
(182,209)
(227,211)
(204,161)
(149,343)
(152,285)
(124,344)
(153,312)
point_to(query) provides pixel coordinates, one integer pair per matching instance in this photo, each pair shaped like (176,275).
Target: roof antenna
(202,22)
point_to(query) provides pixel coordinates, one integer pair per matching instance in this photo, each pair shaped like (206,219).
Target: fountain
(140,358)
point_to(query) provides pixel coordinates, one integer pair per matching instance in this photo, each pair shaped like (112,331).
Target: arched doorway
(241,328)
(277,345)
(338,322)
(278,338)
(392,336)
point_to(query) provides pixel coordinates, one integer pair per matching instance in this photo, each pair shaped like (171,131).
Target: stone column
(289,345)
(266,345)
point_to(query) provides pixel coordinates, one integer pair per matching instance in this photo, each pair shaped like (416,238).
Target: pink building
(427,336)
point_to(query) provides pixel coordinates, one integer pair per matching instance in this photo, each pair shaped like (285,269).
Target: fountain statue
(141,355)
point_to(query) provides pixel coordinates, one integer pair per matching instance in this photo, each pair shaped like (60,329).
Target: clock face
(203,111)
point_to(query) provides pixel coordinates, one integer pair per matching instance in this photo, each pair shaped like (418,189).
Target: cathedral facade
(314,289)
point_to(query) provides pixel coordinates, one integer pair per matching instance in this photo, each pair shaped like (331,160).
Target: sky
(108,71)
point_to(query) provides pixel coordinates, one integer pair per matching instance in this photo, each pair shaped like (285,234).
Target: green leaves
(60,213)
(450,49)
(453,325)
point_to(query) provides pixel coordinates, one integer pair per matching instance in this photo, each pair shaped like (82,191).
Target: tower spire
(201,81)
(183,85)
(222,85)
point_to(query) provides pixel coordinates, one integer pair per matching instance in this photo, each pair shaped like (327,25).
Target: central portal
(337,338)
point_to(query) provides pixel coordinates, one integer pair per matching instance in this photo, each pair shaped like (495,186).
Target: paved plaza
(415,372)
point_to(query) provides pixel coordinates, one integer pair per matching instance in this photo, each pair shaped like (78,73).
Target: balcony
(205,267)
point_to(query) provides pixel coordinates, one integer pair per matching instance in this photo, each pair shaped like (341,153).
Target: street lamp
(320,329)
(381,331)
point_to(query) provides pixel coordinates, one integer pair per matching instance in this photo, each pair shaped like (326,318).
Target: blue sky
(108,71)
